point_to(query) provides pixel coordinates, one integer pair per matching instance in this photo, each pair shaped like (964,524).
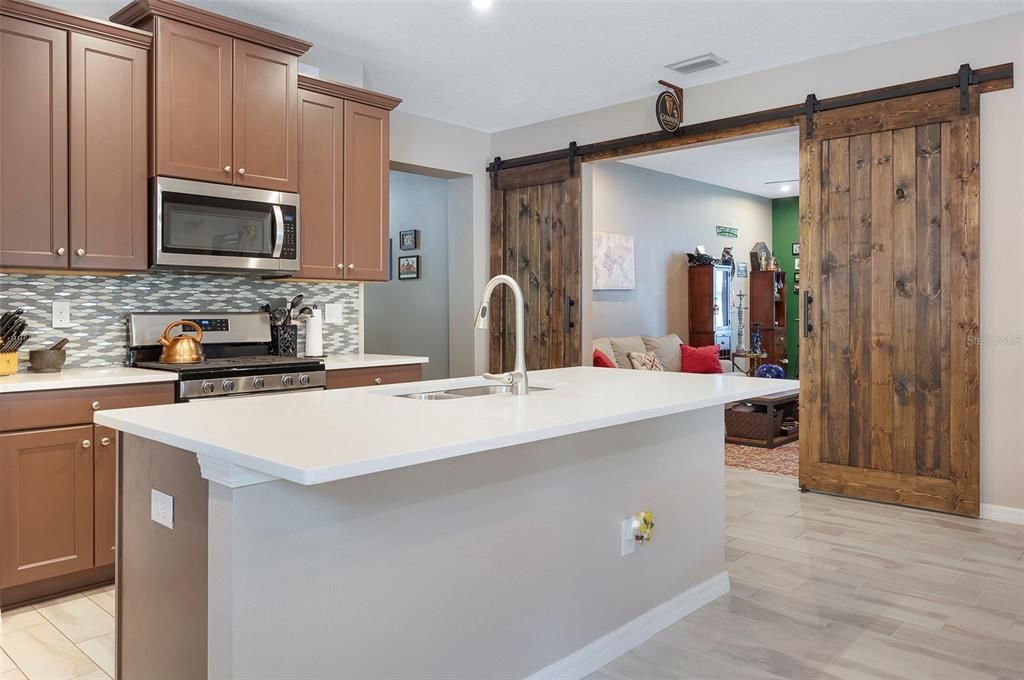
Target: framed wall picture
(796,248)
(409,239)
(796,264)
(741,270)
(408,267)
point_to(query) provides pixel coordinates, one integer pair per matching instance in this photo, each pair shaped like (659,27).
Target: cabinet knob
(86,443)
(227,168)
(352,266)
(61,251)
(241,171)
(80,252)
(105,441)
(95,406)
(341,267)
(378,380)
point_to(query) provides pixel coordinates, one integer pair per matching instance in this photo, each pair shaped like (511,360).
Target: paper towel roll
(314,336)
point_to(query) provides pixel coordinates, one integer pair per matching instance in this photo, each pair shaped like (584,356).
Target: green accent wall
(786,232)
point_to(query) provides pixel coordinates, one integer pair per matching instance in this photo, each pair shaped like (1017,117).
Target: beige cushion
(645,361)
(666,347)
(621,347)
(605,345)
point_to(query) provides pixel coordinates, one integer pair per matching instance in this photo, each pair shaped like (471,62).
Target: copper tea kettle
(182,349)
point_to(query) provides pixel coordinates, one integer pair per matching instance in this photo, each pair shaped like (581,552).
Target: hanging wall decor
(409,239)
(614,261)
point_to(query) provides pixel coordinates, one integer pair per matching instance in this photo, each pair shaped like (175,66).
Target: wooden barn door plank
(860,301)
(836,322)
(881,301)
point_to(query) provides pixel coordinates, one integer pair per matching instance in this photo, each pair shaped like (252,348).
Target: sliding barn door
(535,239)
(889,361)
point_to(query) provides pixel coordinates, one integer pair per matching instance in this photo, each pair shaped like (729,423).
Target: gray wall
(411,316)
(668,216)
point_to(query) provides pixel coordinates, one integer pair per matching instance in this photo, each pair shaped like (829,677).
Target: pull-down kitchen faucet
(517,377)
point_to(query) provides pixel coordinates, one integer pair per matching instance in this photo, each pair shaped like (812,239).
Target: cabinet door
(367,153)
(193,102)
(108,94)
(46,504)
(265,118)
(321,184)
(104,493)
(33,136)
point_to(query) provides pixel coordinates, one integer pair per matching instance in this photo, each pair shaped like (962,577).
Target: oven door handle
(278,231)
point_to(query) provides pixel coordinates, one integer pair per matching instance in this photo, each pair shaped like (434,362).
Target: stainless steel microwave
(208,227)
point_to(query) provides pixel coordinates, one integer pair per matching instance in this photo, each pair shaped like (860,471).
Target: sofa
(665,347)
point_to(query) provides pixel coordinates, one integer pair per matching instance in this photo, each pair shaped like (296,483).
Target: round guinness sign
(668,111)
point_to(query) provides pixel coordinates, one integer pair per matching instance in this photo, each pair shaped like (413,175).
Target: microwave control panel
(288,251)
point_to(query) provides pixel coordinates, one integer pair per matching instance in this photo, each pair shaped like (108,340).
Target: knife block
(284,340)
(8,363)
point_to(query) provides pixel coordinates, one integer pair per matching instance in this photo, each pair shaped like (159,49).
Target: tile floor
(822,588)
(71,637)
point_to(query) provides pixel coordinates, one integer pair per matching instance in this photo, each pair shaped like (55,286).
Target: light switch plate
(334,313)
(628,537)
(61,314)
(162,508)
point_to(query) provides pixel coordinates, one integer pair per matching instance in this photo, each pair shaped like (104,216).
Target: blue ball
(770,371)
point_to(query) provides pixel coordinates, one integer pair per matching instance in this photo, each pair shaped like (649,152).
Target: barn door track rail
(989,79)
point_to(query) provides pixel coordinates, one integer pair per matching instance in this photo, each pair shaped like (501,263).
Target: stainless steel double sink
(461,392)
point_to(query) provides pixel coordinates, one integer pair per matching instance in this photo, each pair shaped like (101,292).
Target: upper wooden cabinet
(34,139)
(73,130)
(226,99)
(344,152)
(192,116)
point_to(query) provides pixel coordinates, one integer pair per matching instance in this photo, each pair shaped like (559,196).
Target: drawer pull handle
(378,380)
(86,443)
(95,406)
(105,441)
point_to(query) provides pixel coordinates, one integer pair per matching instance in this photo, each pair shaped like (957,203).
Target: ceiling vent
(700,63)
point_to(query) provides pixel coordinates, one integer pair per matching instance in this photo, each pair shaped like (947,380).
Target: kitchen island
(362,534)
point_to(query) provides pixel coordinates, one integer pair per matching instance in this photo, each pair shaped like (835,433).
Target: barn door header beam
(991,78)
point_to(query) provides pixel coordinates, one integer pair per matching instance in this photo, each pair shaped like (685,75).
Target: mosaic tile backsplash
(99,305)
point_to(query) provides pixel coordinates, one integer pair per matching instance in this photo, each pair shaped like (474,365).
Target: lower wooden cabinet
(46,504)
(364,377)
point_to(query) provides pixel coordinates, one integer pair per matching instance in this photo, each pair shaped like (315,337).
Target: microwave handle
(279,231)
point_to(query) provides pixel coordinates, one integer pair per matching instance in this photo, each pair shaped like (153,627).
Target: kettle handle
(164,340)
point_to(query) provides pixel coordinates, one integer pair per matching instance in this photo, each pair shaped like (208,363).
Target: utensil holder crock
(284,340)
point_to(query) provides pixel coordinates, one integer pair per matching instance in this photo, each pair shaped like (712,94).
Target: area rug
(784,460)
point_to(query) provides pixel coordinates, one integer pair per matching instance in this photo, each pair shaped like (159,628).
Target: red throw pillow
(700,359)
(601,360)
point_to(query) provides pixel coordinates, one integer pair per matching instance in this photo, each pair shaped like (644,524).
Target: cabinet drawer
(55,408)
(384,375)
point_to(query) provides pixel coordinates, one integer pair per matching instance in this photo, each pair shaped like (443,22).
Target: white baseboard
(1002,513)
(583,662)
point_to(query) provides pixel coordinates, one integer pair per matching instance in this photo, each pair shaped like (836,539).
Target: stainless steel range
(238,360)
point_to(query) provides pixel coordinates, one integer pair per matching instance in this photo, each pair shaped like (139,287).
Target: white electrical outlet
(628,537)
(334,312)
(61,314)
(161,508)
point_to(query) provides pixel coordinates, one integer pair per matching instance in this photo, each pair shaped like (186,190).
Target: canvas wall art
(614,261)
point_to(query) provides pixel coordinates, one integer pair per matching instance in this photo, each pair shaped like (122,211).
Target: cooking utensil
(182,348)
(279,316)
(296,301)
(59,344)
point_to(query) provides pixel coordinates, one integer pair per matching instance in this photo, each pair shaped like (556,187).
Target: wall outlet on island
(162,508)
(333,313)
(61,314)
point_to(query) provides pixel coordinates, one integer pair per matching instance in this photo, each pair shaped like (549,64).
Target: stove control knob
(259,383)
(303,379)
(209,387)
(287,380)
(229,385)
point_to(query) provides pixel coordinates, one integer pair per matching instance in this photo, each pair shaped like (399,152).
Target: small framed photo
(409,239)
(408,267)
(796,264)
(741,270)
(796,277)
(796,248)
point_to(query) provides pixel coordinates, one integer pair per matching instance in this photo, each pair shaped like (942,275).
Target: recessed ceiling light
(482,4)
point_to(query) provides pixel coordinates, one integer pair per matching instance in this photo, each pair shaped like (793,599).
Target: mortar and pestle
(48,360)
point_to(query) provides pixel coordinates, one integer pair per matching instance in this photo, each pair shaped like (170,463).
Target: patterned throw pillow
(645,361)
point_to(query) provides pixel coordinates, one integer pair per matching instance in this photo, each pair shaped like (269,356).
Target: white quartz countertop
(82,377)
(313,437)
(340,362)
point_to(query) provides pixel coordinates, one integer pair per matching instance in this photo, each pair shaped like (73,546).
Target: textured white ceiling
(742,164)
(525,61)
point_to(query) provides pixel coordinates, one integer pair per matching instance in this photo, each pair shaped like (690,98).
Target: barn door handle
(808,300)
(569,304)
